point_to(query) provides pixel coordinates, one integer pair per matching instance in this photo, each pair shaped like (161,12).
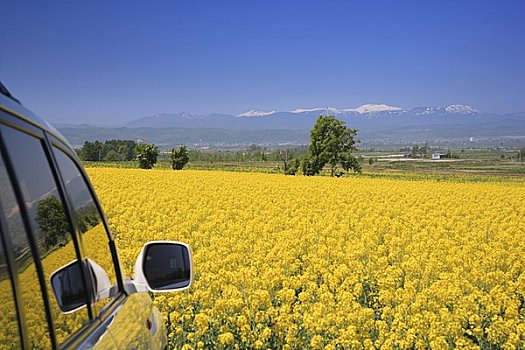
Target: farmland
(330,263)
(478,162)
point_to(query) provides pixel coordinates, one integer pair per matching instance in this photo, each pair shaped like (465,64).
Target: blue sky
(110,62)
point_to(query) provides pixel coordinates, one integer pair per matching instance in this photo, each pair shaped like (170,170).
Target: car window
(95,239)
(51,233)
(9,338)
(24,267)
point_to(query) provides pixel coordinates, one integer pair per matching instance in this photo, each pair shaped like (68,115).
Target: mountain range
(376,123)
(369,116)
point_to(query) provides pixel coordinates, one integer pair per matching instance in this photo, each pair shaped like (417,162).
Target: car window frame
(54,142)
(21,125)
(28,230)
(13,277)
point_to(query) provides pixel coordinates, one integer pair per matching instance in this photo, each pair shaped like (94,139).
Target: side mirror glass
(164,266)
(69,288)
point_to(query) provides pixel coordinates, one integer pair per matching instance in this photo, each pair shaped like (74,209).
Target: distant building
(437,156)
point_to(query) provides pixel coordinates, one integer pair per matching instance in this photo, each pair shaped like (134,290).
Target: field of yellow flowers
(327,263)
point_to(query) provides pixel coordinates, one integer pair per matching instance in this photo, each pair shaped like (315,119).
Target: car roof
(16,109)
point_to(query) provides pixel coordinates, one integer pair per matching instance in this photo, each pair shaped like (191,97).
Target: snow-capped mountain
(324,110)
(254,113)
(364,109)
(460,109)
(304,118)
(372,108)
(450,109)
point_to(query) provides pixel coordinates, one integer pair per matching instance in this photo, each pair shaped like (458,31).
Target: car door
(40,231)
(132,320)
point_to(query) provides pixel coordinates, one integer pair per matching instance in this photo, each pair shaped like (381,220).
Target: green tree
(419,151)
(179,157)
(96,151)
(91,151)
(286,155)
(125,148)
(308,168)
(146,155)
(293,166)
(113,156)
(52,221)
(332,143)
(521,155)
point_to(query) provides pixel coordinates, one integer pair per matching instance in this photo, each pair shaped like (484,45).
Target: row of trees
(147,155)
(331,144)
(419,151)
(253,154)
(111,150)
(125,150)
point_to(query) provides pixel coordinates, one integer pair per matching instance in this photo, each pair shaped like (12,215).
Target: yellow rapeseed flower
(316,262)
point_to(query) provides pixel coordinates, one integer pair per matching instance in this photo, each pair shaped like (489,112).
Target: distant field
(478,163)
(453,166)
(468,162)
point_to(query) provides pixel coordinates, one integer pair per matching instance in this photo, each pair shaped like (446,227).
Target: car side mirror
(164,266)
(69,288)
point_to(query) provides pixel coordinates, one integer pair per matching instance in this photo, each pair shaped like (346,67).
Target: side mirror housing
(164,266)
(69,288)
